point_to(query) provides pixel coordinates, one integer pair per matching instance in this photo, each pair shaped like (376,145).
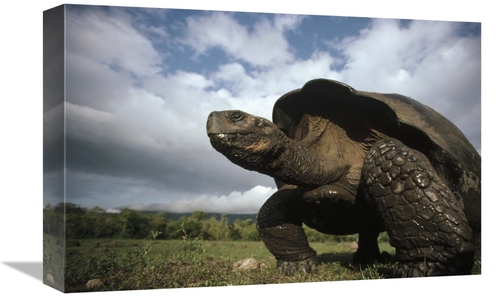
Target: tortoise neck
(294,163)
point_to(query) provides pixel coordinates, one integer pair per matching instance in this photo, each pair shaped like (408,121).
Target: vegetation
(131,264)
(131,224)
(134,250)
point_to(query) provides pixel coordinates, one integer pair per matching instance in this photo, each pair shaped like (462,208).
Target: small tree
(134,225)
(198,215)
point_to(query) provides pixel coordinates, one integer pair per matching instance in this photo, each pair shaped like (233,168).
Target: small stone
(247,264)
(94,284)
(49,279)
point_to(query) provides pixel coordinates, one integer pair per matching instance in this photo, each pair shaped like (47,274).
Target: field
(117,263)
(109,264)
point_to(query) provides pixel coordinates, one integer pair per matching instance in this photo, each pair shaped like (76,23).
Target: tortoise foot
(420,269)
(308,265)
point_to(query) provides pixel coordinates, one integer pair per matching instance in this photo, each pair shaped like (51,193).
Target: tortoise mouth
(224,139)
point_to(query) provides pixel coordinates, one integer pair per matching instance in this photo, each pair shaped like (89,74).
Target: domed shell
(415,124)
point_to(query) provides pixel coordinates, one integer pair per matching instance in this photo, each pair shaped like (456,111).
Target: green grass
(142,264)
(147,264)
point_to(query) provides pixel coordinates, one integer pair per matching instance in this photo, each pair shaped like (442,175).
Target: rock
(350,245)
(49,279)
(247,264)
(94,284)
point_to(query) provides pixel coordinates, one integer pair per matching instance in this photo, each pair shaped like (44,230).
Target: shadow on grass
(346,260)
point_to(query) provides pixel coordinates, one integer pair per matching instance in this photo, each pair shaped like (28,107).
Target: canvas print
(190,148)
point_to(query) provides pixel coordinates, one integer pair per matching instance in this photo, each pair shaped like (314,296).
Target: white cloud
(94,84)
(112,40)
(256,91)
(113,210)
(262,45)
(235,202)
(389,57)
(428,61)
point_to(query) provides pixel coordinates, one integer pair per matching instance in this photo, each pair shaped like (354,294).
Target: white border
(21,134)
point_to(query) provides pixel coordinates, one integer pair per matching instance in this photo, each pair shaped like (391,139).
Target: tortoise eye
(236,117)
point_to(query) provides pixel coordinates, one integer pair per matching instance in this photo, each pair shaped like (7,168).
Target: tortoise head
(245,139)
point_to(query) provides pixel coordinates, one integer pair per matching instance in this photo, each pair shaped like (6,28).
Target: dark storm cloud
(195,172)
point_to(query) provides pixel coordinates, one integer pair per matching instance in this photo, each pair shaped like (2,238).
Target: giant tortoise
(348,162)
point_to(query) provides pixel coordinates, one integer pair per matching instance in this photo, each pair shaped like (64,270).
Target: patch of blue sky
(323,34)
(166,28)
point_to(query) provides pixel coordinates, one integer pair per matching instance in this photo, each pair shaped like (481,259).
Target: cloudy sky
(141,82)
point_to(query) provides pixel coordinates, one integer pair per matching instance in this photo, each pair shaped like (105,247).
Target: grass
(53,259)
(151,264)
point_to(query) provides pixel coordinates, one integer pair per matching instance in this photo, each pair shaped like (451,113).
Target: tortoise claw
(309,265)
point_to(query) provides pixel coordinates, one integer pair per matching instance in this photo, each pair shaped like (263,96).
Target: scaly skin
(425,222)
(280,228)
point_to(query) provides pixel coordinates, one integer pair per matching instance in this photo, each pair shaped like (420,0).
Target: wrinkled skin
(342,174)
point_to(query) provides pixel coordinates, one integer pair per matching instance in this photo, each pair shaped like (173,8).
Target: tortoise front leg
(425,222)
(280,226)
(347,216)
